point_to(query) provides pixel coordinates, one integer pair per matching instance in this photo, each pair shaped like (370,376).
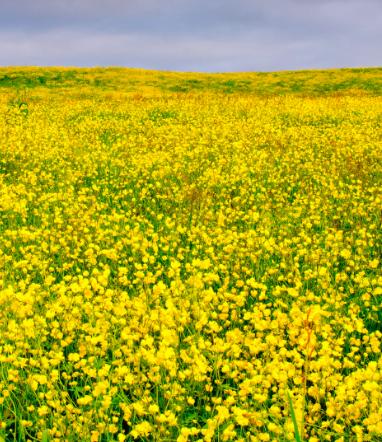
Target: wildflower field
(190,257)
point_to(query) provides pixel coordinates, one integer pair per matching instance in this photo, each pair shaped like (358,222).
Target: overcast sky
(192,35)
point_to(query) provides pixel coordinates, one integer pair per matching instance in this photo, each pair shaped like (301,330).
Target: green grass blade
(293,414)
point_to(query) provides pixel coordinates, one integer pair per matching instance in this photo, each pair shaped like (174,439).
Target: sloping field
(190,257)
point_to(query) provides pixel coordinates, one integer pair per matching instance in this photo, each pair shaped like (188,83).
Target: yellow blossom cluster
(184,265)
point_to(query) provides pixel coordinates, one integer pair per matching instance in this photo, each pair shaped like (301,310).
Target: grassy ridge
(342,81)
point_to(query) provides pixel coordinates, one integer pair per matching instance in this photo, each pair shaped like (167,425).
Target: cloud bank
(192,35)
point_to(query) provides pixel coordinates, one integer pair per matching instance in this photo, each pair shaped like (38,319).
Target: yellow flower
(85,400)
(144,429)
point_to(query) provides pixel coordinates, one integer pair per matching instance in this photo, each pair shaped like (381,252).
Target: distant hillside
(308,82)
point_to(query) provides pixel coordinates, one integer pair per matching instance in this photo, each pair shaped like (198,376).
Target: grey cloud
(209,35)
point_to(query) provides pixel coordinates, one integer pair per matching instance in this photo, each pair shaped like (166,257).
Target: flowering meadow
(190,257)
